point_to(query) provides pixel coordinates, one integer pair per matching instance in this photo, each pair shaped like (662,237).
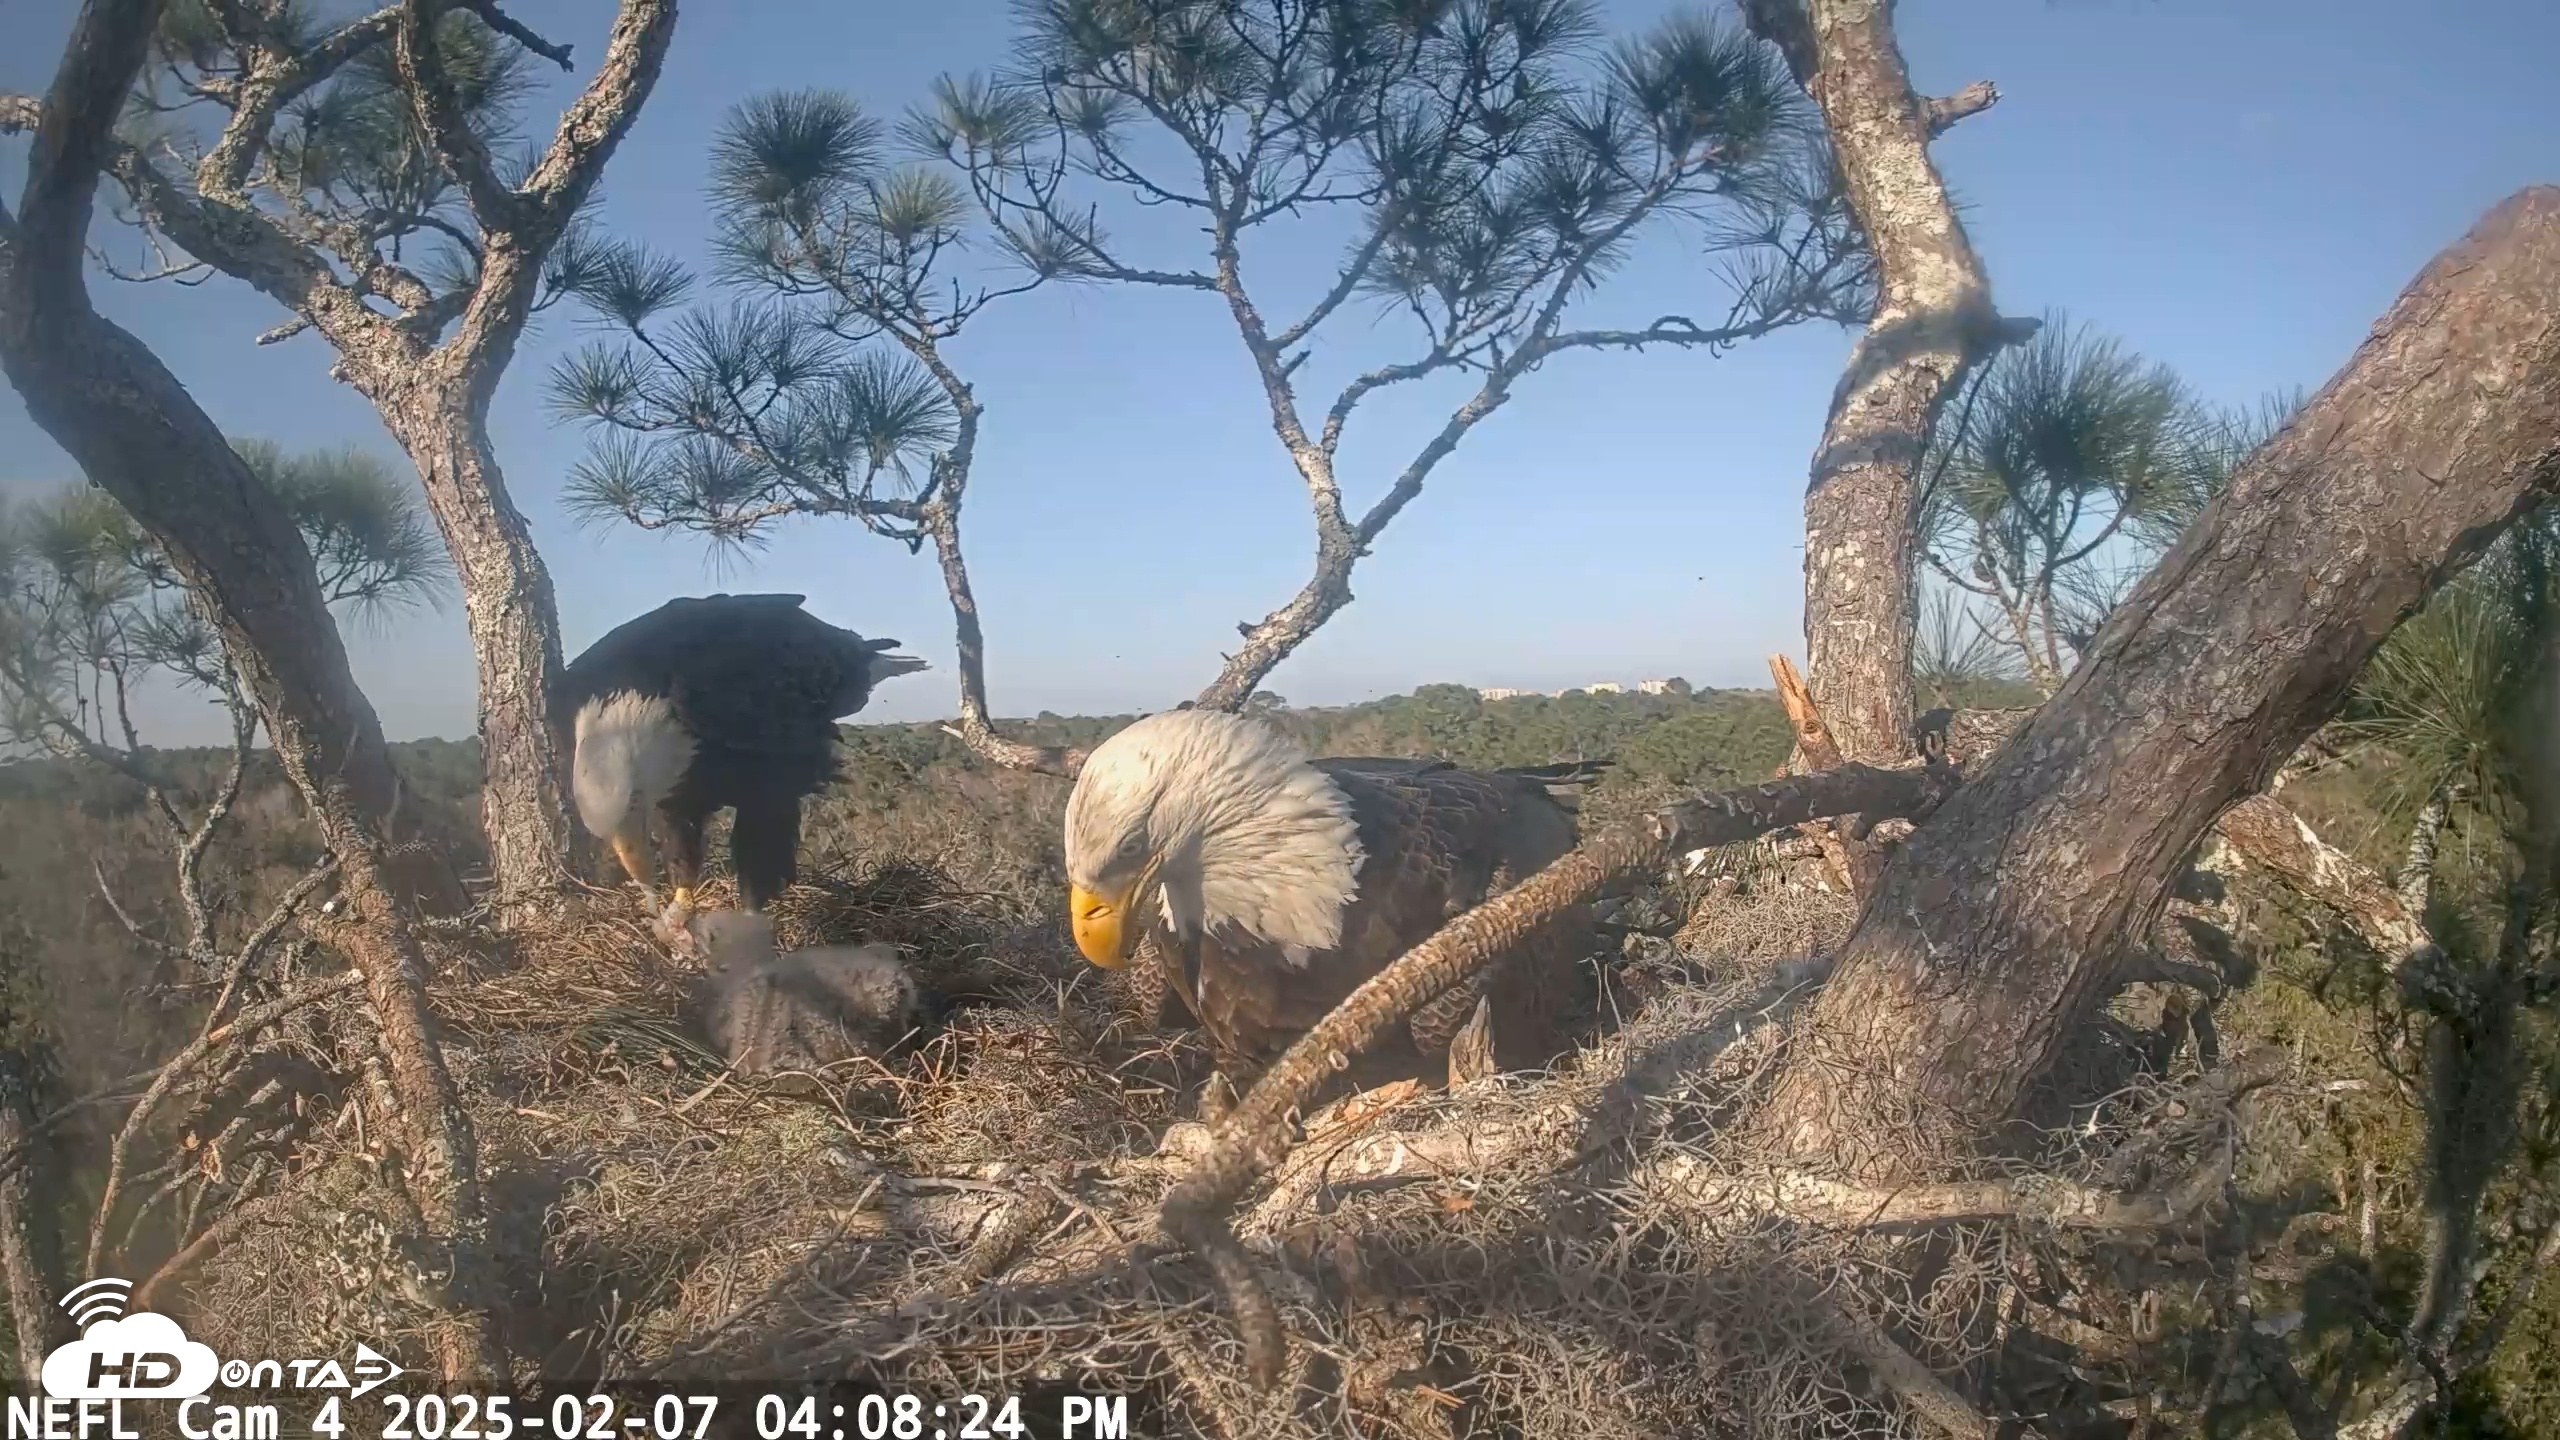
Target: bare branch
(216,1235)
(255,946)
(273,74)
(1917,1386)
(249,245)
(438,111)
(1944,113)
(2267,834)
(514,29)
(1693,1185)
(1669,330)
(634,52)
(1345,286)
(124,917)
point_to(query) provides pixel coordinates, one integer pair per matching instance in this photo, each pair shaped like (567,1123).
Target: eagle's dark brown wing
(1438,840)
(757,680)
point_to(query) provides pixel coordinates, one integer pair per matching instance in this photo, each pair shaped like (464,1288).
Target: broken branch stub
(1844,847)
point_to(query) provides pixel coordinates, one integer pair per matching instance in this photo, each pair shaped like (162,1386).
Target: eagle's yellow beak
(631,849)
(1101,925)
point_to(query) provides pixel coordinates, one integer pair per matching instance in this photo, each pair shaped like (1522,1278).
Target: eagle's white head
(630,752)
(1220,816)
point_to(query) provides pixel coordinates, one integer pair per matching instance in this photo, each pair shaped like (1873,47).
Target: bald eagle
(1275,883)
(707,703)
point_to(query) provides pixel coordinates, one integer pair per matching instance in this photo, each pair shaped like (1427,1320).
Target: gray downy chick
(767,1011)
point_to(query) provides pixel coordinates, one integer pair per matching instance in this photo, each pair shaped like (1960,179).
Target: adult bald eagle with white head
(1275,883)
(707,703)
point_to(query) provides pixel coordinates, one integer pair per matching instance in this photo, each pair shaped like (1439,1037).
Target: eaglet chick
(766,1010)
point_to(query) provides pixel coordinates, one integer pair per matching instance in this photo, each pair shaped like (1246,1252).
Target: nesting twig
(177,1068)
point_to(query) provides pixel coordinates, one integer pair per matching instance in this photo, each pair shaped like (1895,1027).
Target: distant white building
(1653,687)
(1605,687)
(1502,692)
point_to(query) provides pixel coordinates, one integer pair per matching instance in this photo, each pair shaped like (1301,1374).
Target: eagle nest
(1580,1254)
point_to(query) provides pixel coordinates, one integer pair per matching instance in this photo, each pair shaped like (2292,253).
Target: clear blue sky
(2237,187)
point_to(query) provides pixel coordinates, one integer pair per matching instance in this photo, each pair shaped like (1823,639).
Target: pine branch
(440,119)
(273,75)
(177,1068)
(635,50)
(514,29)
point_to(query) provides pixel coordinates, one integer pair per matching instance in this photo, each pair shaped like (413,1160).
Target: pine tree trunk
(26,1264)
(108,401)
(1933,319)
(104,398)
(1997,928)
(515,638)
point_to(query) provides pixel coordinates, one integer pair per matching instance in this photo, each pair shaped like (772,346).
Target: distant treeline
(1710,738)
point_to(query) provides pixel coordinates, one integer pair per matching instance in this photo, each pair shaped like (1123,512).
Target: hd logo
(141,1356)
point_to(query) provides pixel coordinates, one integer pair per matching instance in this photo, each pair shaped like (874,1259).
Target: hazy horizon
(2235,191)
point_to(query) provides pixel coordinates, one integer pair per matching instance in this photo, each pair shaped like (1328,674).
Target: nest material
(978,1214)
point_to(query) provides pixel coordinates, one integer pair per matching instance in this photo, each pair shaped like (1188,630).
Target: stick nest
(979,1214)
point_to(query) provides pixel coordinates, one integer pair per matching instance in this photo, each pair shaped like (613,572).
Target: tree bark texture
(1998,925)
(514,620)
(27,1262)
(2263,831)
(436,403)
(106,399)
(1933,320)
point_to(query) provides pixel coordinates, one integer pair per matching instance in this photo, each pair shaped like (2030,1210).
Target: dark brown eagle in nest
(1275,884)
(711,702)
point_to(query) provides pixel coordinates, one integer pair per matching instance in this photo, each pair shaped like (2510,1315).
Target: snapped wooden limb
(1471,1053)
(2263,831)
(1852,860)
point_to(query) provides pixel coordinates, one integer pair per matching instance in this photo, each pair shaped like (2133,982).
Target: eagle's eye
(1132,846)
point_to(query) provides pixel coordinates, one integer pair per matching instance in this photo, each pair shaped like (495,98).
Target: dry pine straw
(963,1218)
